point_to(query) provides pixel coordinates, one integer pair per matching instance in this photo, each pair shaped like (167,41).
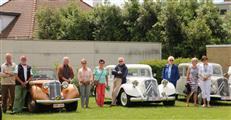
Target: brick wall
(220,54)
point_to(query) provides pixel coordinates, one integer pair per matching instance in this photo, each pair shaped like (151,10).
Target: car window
(44,75)
(138,72)
(217,70)
(109,73)
(181,70)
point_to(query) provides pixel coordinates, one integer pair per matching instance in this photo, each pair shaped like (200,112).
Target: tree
(108,21)
(198,36)
(213,19)
(131,12)
(227,26)
(49,23)
(76,25)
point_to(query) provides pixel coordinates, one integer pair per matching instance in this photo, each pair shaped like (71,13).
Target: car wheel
(124,99)
(71,106)
(32,105)
(169,103)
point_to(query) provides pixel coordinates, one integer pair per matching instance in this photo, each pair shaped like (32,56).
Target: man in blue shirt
(170,71)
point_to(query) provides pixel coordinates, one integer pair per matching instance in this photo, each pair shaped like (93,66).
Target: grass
(219,111)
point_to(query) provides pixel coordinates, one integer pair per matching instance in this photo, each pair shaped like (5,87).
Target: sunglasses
(83,63)
(171,60)
(121,61)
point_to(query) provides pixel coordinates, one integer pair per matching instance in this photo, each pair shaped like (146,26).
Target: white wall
(48,53)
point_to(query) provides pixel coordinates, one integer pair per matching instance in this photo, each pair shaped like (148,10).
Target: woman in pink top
(85,77)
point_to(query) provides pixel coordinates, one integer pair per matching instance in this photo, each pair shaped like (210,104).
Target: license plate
(58,105)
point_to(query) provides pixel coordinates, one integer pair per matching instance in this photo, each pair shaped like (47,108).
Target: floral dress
(194,78)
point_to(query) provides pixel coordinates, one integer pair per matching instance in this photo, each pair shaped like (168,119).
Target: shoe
(209,105)
(204,105)
(12,113)
(187,105)
(111,105)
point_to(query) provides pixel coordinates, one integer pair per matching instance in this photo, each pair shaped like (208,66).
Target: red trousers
(100,94)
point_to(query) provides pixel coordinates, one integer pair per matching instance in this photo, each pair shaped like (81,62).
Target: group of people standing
(98,77)
(14,83)
(16,78)
(198,77)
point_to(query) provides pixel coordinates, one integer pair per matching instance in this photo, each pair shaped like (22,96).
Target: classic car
(45,91)
(220,86)
(141,86)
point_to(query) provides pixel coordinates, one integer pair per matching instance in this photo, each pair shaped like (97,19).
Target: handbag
(187,89)
(97,81)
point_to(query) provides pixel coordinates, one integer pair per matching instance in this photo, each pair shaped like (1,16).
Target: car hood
(35,82)
(214,78)
(130,79)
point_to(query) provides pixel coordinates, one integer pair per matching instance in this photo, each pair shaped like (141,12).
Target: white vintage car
(141,87)
(220,86)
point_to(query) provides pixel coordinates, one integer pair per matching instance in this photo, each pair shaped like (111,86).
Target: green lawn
(220,110)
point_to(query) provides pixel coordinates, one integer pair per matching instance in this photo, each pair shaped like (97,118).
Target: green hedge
(157,65)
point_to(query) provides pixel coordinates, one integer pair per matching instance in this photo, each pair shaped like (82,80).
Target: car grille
(54,90)
(223,87)
(151,91)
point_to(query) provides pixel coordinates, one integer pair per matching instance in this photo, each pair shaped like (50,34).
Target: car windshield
(217,70)
(138,72)
(44,75)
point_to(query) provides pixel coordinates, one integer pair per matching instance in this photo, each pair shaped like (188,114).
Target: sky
(3,1)
(120,2)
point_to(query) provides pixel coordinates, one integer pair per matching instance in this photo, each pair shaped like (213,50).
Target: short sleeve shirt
(8,68)
(100,75)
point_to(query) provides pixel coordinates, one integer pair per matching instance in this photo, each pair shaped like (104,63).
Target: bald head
(121,60)
(66,60)
(8,57)
(23,59)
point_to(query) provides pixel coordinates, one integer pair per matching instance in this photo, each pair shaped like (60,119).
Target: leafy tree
(108,21)
(49,22)
(227,26)
(212,17)
(198,36)
(75,24)
(131,12)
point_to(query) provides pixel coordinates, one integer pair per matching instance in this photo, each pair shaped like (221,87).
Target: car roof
(43,68)
(132,66)
(186,64)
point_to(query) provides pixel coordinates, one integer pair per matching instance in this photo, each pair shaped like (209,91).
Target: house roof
(24,26)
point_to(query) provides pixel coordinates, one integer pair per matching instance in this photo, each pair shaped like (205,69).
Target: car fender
(169,89)
(37,93)
(130,90)
(70,92)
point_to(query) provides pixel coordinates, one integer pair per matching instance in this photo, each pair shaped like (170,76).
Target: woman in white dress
(205,73)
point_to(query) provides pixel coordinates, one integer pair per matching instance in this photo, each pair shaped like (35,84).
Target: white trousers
(205,89)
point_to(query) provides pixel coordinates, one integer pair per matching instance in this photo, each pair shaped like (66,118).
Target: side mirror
(154,74)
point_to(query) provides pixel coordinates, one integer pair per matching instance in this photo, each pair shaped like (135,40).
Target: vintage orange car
(46,92)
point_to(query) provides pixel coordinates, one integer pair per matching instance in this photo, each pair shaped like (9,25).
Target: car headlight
(135,83)
(65,85)
(164,82)
(45,85)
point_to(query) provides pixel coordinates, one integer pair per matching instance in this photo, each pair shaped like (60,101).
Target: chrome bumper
(226,98)
(139,99)
(57,101)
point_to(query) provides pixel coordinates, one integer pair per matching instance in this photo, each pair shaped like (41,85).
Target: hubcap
(124,98)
